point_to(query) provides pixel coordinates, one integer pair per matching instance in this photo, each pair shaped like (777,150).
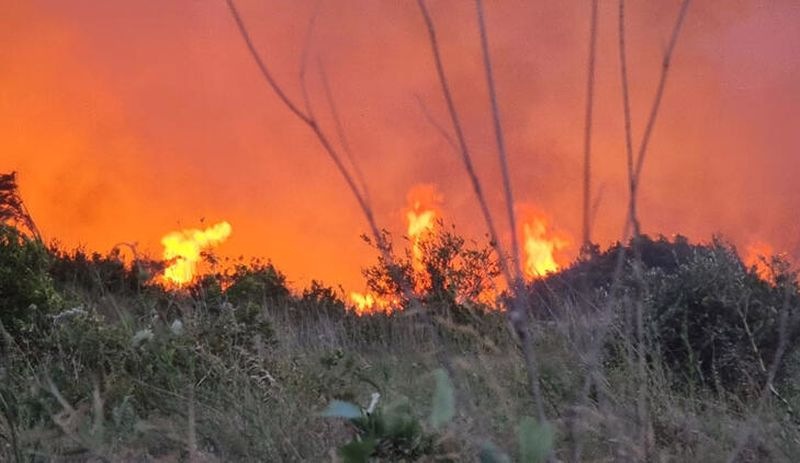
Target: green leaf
(444,403)
(357,451)
(341,409)
(491,454)
(535,440)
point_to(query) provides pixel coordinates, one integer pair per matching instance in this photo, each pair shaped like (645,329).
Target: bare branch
(501,146)
(311,123)
(304,60)
(462,143)
(518,313)
(660,89)
(340,133)
(431,120)
(783,322)
(587,130)
(632,178)
(263,67)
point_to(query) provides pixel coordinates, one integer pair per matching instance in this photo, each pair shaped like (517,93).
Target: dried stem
(665,65)
(501,145)
(460,138)
(363,202)
(340,133)
(587,131)
(627,116)
(783,322)
(518,313)
(436,125)
(310,121)
(631,220)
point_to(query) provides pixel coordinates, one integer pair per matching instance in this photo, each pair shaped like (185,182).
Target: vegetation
(101,363)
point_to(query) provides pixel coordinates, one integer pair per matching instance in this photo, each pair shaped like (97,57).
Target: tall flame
(541,246)
(182,249)
(421,214)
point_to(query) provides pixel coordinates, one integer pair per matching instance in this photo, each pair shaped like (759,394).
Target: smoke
(129,119)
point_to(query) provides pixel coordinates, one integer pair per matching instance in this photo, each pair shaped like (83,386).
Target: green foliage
(98,274)
(392,433)
(140,361)
(453,272)
(716,323)
(710,320)
(255,284)
(27,292)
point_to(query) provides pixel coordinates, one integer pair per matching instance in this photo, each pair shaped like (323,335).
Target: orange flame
(368,304)
(421,216)
(757,256)
(542,246)
(182,249)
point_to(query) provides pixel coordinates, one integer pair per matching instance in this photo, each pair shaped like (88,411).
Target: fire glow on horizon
(117,134)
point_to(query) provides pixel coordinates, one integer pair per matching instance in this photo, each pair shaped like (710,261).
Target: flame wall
(130,119)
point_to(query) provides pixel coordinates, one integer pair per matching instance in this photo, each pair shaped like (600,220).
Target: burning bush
(444,270)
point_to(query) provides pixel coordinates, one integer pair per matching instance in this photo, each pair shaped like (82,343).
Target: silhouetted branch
(310,122)
(431,120)
(501,145)
(518,313)
(462,143)
(587,130)
(662,82)
(12,208)
(340,133)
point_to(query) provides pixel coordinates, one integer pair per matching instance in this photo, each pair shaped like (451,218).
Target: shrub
(451,272)
(716,323)
(27,293)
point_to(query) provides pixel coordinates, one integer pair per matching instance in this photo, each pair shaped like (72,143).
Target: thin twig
(587,130)
(436,125)
(310,122)
(362,200)
(627,116)
(783,322)
(340,133)
(461,139)
(518,313)
(501,145)
(665,65)
(263,67)
(631,219)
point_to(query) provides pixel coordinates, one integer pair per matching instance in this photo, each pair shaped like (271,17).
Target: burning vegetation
(183,251)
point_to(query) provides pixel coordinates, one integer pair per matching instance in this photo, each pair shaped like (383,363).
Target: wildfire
(368,304)
(421,214)
(757,256)
(182,249)
(541,246)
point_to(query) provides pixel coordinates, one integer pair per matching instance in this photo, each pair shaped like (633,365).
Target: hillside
(102,363)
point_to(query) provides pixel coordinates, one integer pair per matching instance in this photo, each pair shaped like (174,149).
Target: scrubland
(685,354)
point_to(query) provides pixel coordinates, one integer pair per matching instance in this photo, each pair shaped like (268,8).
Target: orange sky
(127,120)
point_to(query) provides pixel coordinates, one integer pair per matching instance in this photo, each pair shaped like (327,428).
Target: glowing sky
(129,119)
